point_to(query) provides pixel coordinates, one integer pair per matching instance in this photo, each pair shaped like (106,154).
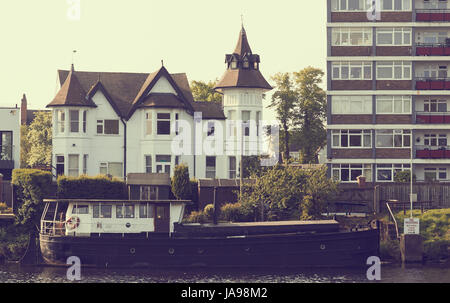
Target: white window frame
(404,32)
(210,171)
(165,165)
(434,103)
(366,171)
(437,173)
(339,34)
(159,119)
(405,5)
(338,135)
(106,165)
(61,121)
(348,105)
(148,164)
(348,66)
(435,140)
(71,170)
(392,168)
(405,68)
(148,131)
(74,122)
(394,133)
(343,6)
(405,102)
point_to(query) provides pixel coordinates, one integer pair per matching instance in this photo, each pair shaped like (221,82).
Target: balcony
(432,15)
(439,49)
(433,152)
(432,83)
(433,118)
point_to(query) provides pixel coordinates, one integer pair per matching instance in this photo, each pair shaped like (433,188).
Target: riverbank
(13,243)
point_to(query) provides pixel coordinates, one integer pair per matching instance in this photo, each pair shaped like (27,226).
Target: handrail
(422,113)
(432,10)
(393,217)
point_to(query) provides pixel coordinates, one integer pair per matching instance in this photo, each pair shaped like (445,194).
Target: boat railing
(393,217)
(54,228)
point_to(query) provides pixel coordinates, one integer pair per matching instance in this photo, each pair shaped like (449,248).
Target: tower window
(255,65)
(234,65)
(246,64)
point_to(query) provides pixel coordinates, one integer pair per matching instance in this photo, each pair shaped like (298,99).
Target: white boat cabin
(150,211)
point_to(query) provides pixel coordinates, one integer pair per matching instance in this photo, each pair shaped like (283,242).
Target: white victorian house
(120,123)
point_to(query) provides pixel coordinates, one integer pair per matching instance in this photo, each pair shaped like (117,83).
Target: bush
(390,250)
(181,185)
(84,187)
(208,211)
(196,217)
(4,209)
(233,212)
(31,187)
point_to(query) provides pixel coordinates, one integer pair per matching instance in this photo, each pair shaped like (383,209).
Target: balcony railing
(433,118)
(432,83)
(432,15)
(432,152)
(433,49)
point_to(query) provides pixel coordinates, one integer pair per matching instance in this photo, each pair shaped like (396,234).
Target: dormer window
(233,65)
(246,64)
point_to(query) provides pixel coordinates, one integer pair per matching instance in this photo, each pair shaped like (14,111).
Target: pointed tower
(243,87)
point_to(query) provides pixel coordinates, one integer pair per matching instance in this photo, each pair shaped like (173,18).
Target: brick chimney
(23,111)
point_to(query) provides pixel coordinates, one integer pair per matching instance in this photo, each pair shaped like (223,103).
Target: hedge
(31,187)
(84,187)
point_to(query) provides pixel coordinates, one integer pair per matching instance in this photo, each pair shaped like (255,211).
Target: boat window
(102,211)
(146,210)
(125,211)
(80,209)
(148,192)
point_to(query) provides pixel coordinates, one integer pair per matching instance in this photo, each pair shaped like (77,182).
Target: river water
(13,273)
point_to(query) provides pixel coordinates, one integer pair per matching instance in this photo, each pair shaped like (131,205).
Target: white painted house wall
(10,121)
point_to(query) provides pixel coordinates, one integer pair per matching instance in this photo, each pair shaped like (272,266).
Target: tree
(39,140)
(181,184)
(203,91)
(24,146)
(310,112)
(283,101)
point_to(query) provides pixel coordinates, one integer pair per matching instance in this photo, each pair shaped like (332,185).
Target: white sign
(411,226)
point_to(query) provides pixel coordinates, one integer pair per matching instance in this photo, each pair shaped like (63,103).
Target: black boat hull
(338,249)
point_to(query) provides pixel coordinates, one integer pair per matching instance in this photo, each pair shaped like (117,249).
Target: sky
(38,37)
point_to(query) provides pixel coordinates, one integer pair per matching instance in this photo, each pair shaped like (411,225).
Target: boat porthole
(200,251)
(322,246)
(132,250)
(128,225)
(171,251)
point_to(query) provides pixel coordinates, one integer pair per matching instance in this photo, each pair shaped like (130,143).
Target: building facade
(119,123)
(10,118)
(388,89)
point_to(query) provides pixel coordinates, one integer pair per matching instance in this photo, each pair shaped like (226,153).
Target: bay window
(148,123)
(74,116)
(61,121)
(163,123)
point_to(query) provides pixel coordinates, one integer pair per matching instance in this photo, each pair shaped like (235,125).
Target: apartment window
(393,104)
(61,117)
(163,123)
(396,138)
(394,70)
(85,164)
(434,71)
(232,167)
(148,164)
(108,127)
(74,121)
(125,211)
(59,165)
(163,163)
(6,145)
(386,172)
(352,70)
(394,36)
(211,128)
(349,5)
(435,174)
(351,138)
(111,168)
(246,122)
(351,36)
(148,123)
(435,106)
(396,5)
(73,165)
(211,167)
(345,105)
(435,4)
(432,37)
(102,211)
(431,140)
(350,172)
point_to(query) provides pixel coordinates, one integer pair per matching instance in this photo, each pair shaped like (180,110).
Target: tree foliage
(284,193)
(203,91)
(181,184)
(39,141)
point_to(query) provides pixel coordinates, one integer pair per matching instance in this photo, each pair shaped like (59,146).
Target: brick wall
(351,153)
(394,51)
(362,17)
(351,84)
(394,84)
(351,119)
(351,51)
(393,153)
(393,119)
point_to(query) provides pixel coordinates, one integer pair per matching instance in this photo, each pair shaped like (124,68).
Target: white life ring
(73,222)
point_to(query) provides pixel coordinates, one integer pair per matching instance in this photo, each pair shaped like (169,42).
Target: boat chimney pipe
(214,207)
